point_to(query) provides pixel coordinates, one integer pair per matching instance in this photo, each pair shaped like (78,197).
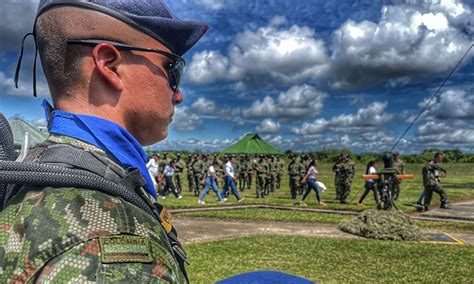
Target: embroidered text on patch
(125,248)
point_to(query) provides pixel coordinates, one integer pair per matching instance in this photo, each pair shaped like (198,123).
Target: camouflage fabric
(400,166)
(71,235)
(346,174)
(180,165)
(431,173)
(189,167)
(294,169)
(336,168)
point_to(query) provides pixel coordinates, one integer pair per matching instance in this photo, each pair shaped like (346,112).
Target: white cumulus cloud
(409,40)
(298,102)
(184,120)
(268,126)
(268,54)
(204,106)
(366,119)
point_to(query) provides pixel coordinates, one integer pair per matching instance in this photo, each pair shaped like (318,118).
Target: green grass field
(332,260)
(459,184)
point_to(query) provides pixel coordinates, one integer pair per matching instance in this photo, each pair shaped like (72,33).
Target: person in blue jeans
(211,178)
(370,185)
(230,179)
(310,179)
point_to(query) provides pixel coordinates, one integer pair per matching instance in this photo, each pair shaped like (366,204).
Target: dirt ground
(196,230)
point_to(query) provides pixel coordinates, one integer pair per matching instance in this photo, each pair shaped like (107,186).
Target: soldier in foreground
(113,69)
(431,181)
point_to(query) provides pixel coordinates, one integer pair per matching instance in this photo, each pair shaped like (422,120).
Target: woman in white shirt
(229,179)
(310,179)
(370,185)
(210,182)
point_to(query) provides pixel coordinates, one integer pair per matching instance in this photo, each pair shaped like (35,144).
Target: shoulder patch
(125,248)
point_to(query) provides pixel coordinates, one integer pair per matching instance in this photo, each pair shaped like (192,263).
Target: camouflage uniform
(272,169)
(180,165)
(261,172)
(281,167)
(250,172)
(72,235)
(294,176)
(198,170)
(399,165)
(189,167)
(243,173)
(337,178)
(347,171)
(431,173)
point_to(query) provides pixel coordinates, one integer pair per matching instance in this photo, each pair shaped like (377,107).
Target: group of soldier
(267,172)
(266,169)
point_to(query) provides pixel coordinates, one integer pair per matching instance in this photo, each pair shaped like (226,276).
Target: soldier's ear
(107,60)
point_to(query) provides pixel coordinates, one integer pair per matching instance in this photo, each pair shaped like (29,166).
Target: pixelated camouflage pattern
(51,235)
(400,166)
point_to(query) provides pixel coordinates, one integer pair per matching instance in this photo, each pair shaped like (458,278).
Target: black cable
(432,97)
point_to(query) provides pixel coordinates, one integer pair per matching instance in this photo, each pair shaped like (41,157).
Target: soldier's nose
(177,97)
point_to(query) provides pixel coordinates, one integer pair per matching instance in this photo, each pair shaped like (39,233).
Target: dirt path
(461,210)
(196,230)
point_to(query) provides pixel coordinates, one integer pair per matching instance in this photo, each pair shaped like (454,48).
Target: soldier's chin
(156,137)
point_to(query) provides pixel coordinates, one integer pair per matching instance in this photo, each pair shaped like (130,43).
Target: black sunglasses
(174,70)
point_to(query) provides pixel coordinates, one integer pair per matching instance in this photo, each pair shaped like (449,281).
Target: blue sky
(306,75)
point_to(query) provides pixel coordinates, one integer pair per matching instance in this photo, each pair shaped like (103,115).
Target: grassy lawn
(332,260)
(459,184)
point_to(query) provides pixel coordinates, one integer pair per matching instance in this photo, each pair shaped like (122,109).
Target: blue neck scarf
(102,133)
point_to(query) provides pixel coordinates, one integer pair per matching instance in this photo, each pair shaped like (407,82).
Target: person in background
(211,178)
(180,165)
(243,173)
(230,179)
(190,174)
(370,185)
(431,181)
(169,184)
(400,166)
(153,169)
(310,179)
(293,174)
(198,171)
(347,172)
(336,168)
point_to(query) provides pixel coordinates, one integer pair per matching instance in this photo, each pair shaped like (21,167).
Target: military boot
(445,205)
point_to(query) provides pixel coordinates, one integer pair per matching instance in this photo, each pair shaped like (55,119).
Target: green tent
(20,127)
(251,143)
